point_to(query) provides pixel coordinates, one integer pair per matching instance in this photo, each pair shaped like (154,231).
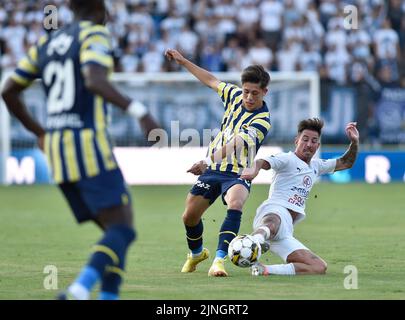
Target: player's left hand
(352,132)
(198,168)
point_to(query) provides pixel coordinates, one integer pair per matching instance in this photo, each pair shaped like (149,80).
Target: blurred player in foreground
(295,174)
(74,63)
(244,126)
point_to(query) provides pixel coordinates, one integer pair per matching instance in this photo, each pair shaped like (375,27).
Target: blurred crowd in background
(228,35)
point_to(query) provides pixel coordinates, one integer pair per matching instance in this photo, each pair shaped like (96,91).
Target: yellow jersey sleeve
(27,68)
(96,46)
(228,92)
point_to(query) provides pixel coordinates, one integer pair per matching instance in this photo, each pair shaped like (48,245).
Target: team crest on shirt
(307,182)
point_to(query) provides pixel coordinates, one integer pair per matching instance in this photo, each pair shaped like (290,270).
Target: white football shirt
(293,180)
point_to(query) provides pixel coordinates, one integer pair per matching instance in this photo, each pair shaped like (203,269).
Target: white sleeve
(277,161)
(326,166)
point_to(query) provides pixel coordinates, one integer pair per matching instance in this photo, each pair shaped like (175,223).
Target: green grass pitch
(358,224)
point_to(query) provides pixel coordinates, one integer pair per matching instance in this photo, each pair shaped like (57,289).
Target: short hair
(256,74)
(85,6)
(314,124)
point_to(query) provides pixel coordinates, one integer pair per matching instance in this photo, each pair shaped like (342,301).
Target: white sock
(281,269)
(79,291)
(258,237)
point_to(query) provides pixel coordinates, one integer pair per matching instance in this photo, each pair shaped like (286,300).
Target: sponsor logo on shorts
(203,185)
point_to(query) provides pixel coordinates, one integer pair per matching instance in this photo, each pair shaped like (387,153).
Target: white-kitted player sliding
(295,173)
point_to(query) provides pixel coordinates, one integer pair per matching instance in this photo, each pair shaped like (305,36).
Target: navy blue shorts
(88,196)
(212,184)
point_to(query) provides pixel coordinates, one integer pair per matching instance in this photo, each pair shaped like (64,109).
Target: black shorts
(211,184)
(88,196)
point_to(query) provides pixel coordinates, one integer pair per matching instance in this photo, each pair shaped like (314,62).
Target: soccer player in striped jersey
(245,124)
(74,63)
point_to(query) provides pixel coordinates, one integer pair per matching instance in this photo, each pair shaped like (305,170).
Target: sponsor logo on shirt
(307,182)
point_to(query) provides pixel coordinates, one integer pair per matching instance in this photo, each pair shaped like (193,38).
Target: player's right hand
(352,132)
(175,55)
(198,168)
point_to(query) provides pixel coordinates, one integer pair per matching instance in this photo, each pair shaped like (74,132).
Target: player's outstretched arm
(251,173)
(349,157)
(201,74)
(11,94)
(96,81)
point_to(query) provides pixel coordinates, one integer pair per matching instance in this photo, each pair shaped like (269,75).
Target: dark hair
(85,6)
(314,124)
(256,74)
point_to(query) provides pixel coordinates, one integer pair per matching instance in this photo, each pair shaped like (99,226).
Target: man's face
(252,95)
(306,144)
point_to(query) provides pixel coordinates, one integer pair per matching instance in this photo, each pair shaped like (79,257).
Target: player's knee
(189,219)
(235,204)
(320,267)
(123,233)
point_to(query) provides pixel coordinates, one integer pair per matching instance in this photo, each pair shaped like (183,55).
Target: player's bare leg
(300,262)
(235,198)
(307,262)
(267,230)
(195,208)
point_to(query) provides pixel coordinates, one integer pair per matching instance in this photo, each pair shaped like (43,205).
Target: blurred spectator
(271,22)
(260,54)
(129,61)
(287,57)
(386,42)
(336,61)
(310,59)
(152,60)
(232,56)
(211,58)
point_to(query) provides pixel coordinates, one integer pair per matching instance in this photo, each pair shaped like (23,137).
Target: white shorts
(284,243)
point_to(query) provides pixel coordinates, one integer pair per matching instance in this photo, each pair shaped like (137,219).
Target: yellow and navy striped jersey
(76,143)
(252,127)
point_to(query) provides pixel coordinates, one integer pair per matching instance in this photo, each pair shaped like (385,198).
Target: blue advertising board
(371,167)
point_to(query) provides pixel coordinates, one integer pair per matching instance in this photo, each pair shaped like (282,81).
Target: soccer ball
(244,251)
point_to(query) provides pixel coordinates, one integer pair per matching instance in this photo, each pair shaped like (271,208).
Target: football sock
(87,278)
(78,291)
(112,247)
(111,282)
(194,237)
(267,232)
(220,254)
(110,251)
(196,252)
(229,230)
(258,237)
(107,296)
(281,269)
